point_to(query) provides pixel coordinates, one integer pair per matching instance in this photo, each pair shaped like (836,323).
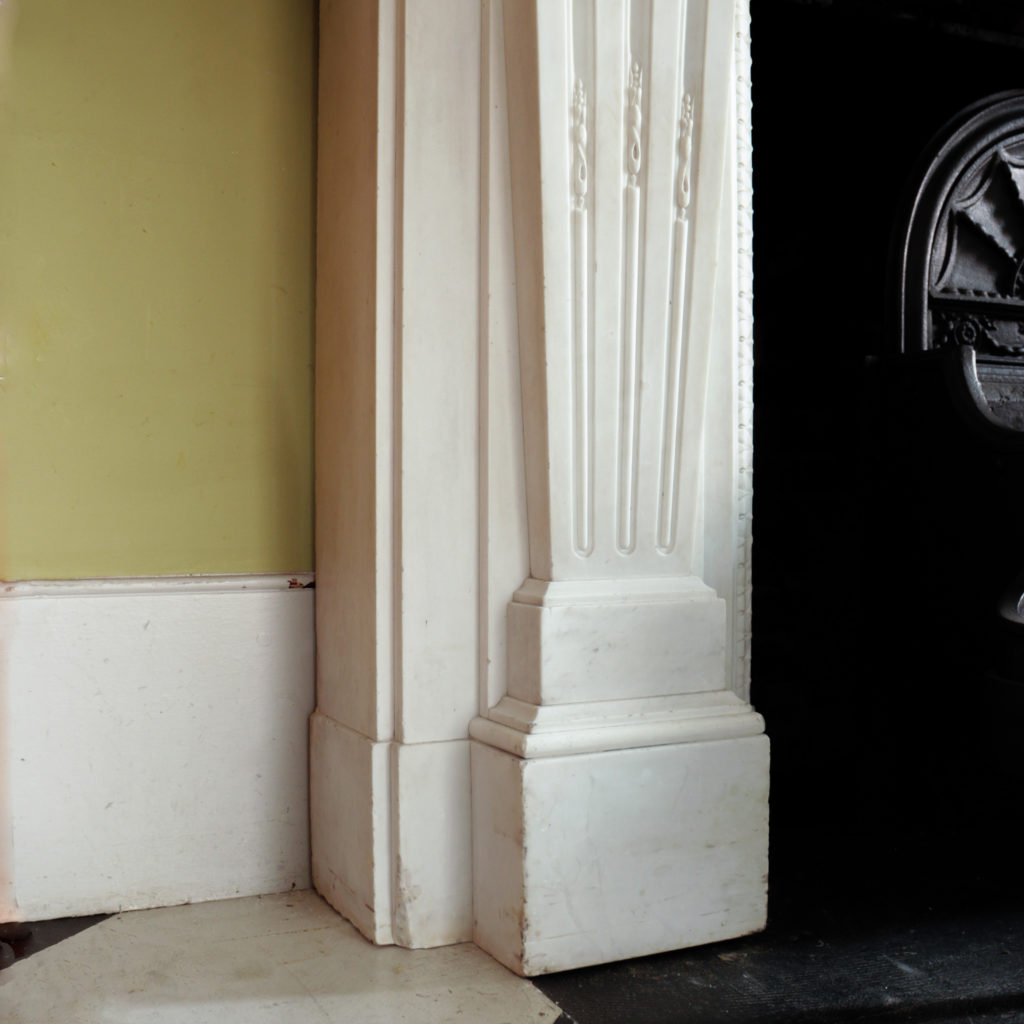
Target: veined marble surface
(274,959)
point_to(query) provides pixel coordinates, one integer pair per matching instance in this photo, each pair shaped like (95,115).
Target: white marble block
(584,640)
(594,857)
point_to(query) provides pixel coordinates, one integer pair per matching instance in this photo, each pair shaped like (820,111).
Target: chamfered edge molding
(529,730)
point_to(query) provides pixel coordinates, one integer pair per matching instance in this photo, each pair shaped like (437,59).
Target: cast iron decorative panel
(961,260)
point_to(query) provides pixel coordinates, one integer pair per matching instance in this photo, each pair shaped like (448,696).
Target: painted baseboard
(153,740)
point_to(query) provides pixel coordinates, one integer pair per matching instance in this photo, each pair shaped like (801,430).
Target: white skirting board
(153,741)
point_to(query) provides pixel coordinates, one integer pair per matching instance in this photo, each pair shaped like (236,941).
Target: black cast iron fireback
(961,263)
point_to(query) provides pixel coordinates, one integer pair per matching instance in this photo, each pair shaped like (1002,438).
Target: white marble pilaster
(619,755)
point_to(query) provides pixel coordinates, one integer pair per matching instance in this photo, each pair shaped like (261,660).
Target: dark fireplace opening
(879,556)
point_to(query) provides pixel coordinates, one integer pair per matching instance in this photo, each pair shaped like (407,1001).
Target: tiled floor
(285,959)
(887,930)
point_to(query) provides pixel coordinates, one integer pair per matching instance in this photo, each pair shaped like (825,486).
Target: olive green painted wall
(156,287)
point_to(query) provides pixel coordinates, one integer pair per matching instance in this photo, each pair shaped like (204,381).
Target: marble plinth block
(594,857)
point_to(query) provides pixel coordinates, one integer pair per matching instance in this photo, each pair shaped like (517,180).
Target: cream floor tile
(262,960)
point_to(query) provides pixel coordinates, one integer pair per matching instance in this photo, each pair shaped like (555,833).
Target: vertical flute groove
(582,419)
(629,405)
(675,374)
